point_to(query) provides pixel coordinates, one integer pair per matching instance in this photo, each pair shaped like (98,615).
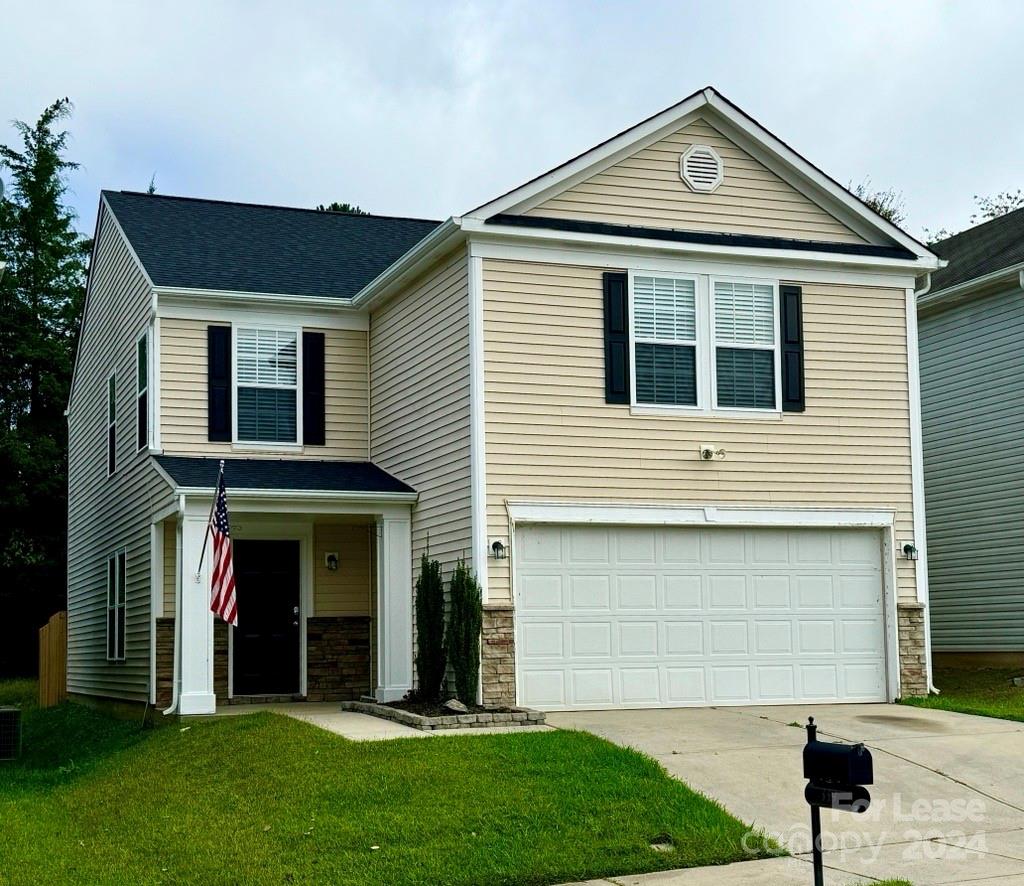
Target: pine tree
(41,294)
(430,653)
(464,624)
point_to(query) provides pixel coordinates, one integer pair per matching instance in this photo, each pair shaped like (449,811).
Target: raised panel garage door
(675,616)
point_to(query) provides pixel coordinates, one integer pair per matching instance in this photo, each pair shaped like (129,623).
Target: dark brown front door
(266,641)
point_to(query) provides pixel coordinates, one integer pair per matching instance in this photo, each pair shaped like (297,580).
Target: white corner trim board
(917,475)
(477,419)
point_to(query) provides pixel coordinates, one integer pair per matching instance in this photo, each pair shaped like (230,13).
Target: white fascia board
(814,175)
(481,231)
(294,495)
(605,154)
(695,515)
(297,311)
(437,243)
(232,297)
(985,284)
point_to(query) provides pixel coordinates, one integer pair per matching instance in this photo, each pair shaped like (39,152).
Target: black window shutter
(218,383)
(791,314)
(616,337)
(313,389)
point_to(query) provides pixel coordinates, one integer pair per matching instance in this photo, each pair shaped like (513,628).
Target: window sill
(696,412)
(238,446)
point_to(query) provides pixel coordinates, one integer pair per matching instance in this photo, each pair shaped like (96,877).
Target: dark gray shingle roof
(244,247)
(303,475)
(980,250)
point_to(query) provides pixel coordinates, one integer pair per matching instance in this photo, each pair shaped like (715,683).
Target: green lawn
(986,692)
(267,799)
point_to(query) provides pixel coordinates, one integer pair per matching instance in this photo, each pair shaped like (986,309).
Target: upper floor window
(111,424)
(266,385)
(744,345)
(117,580)
(704,343)
(142,389)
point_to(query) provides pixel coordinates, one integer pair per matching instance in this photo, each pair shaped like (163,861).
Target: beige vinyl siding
(107,513)
(419,404)
(345,591)
(183,429)
(551,436)
(170,530)
(646,189)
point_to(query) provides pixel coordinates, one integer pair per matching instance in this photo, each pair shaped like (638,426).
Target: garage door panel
(683,592)
(683,638)
(654,616)
(590,592)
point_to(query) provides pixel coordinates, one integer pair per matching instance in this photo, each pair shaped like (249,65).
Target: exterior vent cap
(701,168)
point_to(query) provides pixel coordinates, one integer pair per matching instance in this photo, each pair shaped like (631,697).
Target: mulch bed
(437,709)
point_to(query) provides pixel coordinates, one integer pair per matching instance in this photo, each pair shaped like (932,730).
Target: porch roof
(281,475)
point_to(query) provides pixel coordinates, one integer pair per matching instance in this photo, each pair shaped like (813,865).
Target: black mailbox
(836,775)
(844,765)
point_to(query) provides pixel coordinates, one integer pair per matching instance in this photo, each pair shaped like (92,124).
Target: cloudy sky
(429,108)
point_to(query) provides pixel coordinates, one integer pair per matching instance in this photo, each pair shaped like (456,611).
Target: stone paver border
(514,717)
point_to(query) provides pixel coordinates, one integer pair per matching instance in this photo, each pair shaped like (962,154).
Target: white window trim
(706,382)
(777,337)
(257,444)
(147,444)
(115,556)
(111,422)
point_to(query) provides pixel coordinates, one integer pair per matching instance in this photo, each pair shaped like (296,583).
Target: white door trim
(548,512)
(254,529)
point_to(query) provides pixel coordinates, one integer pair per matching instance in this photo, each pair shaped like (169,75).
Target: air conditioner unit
(10,733)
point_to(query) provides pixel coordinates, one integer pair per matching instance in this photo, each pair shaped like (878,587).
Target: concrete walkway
(947,804)
(360,727)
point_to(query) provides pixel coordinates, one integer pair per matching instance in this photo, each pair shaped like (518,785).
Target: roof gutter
(229,295)
(442,239)
(1009,274)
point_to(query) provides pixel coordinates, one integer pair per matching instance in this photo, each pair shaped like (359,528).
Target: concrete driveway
(947,804)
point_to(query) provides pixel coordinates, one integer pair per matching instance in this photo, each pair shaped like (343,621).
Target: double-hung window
(703,343)
(267,384)
(665,340)
(142,389)
(117,579)
(744,331)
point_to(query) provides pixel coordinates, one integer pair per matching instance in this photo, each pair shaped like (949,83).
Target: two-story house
(663,399)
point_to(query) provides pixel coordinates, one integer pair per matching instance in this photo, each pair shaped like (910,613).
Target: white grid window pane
(664,308)
(744,313)
(267,357)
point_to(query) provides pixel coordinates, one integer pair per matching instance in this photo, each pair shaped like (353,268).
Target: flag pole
(209,520)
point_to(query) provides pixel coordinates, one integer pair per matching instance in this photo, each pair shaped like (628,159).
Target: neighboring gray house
(971,326)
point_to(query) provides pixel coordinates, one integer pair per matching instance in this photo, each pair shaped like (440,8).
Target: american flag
(223,601)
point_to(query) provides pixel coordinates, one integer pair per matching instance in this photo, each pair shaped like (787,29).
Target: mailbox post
(836,775)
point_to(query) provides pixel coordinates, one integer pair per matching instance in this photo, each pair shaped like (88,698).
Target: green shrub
(464,624)
(430,651)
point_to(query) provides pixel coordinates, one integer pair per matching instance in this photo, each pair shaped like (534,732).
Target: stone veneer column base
(165,661)
(337,658)
(498,655)
(913,662)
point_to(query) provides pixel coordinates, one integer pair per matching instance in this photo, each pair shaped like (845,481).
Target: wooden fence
(53,660)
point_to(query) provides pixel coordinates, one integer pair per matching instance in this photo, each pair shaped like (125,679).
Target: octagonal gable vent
(701,168)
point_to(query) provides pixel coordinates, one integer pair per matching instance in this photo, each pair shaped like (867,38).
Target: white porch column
(394,607)
(197,695)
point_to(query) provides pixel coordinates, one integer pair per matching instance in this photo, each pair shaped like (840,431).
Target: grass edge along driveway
(264,798)
(984,692)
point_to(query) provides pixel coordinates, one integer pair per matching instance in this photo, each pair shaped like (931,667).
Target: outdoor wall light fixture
(498,550)
(331,562)
(909,551)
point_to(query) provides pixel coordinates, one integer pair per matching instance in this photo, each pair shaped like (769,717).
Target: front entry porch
(324,586)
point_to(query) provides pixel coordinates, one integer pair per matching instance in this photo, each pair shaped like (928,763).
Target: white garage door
(659,617)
